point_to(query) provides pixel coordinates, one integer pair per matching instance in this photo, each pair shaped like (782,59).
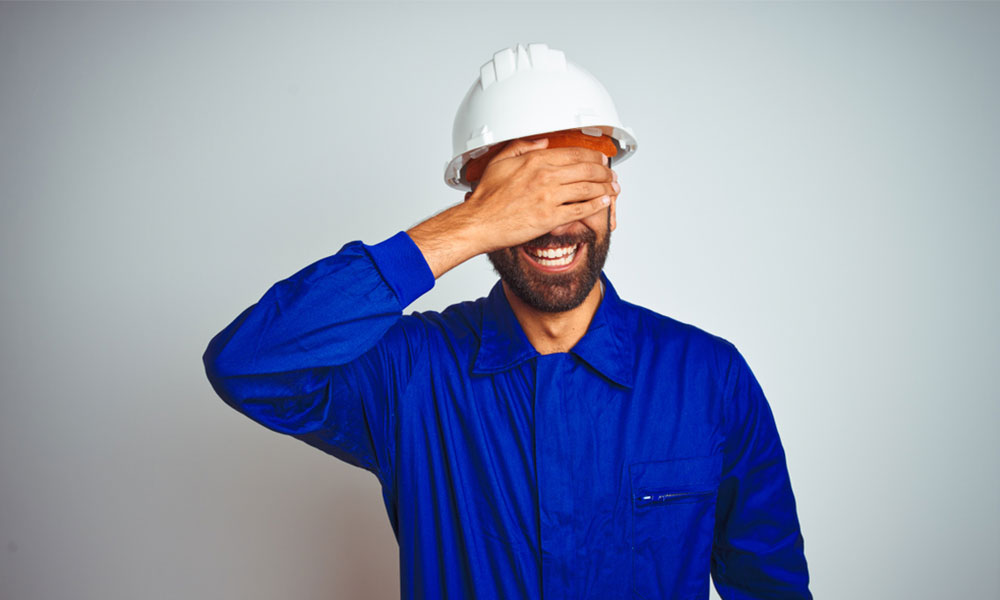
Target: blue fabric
(629,467)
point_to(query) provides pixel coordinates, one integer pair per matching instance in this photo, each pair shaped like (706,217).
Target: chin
(553,281)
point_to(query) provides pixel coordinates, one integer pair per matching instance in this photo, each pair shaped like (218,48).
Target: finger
(613,218)
(574,154)
(582,210)
(581,191)
(581,171)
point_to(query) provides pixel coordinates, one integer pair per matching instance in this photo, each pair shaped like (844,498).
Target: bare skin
(528,190)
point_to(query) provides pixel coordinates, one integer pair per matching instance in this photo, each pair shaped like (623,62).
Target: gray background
(816,183)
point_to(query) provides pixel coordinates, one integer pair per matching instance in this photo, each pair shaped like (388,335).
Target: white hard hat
(528,91)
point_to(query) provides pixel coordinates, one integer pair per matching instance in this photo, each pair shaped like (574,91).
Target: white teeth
(555,262)
(554,257)
(553,252)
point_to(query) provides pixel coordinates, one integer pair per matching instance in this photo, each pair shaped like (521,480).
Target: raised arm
(324,353)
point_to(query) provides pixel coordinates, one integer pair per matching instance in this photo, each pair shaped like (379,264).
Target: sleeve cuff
(403,267)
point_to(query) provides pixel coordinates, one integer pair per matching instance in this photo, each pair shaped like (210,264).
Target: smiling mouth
(553,258)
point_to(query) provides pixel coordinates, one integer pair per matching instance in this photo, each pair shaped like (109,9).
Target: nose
(568,228)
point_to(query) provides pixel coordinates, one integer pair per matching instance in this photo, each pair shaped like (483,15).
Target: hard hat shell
(525,91)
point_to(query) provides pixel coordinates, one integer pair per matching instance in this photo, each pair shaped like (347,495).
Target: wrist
(448,239)
(466,230)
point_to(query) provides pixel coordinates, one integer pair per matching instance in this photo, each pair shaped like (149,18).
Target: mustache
(547,240)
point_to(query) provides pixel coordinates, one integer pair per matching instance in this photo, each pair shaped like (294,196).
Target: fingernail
(605,199)
(614,176)
(605,157)
(617,187)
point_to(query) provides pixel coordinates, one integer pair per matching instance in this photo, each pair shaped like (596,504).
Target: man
(549,440)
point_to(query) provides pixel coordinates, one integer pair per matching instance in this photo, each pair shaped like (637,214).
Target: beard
(553,292)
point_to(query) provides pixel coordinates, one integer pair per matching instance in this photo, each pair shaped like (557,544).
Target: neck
(549,332)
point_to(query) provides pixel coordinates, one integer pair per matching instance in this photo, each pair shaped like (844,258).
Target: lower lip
(557,269)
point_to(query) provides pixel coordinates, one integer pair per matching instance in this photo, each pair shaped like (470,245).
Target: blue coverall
(630,467)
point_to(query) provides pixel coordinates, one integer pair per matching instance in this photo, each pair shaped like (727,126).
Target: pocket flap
(662,481)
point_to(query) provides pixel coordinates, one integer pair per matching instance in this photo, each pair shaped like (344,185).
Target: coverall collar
(606,346)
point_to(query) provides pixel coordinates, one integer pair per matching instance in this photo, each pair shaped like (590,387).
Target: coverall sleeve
(758,551)
(325,353)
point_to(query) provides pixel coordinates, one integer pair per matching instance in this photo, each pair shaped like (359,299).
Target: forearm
(448,239)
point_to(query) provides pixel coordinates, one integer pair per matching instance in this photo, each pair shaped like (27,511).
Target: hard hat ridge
(506,62)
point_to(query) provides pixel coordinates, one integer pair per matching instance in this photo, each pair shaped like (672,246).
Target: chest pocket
(673,521)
